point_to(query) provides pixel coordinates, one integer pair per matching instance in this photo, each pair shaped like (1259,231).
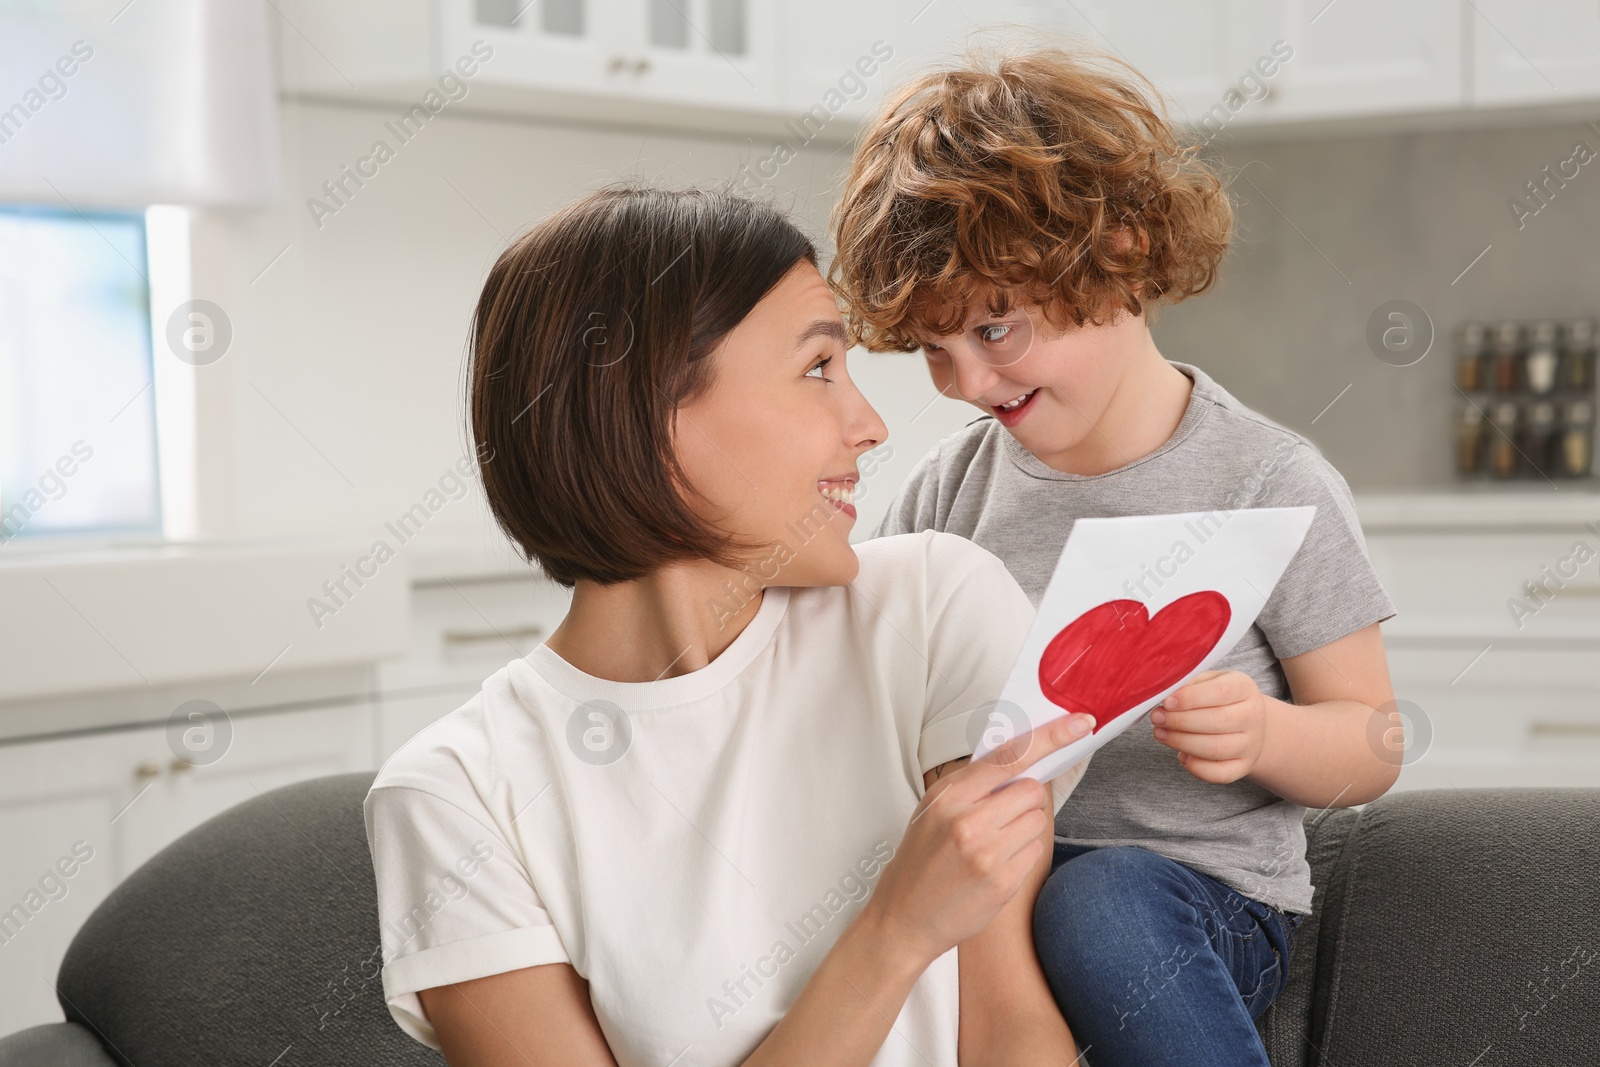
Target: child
(1016,222)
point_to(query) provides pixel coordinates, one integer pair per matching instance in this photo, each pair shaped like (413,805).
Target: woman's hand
(970,844)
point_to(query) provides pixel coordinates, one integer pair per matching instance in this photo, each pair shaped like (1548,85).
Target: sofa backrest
(1449,926)
(1452,926)
(251,939)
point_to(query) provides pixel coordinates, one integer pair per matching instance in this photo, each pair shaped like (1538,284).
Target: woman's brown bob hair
(1028,178)
(592,328)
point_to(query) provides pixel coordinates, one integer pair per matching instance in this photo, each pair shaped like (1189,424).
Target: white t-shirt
(695,857)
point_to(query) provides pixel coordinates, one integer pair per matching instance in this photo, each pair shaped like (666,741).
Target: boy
(1016,222)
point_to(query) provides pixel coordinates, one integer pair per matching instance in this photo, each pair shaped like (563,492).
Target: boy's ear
(1125,237)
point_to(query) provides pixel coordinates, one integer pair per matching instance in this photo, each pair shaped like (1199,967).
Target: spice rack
(1528,410)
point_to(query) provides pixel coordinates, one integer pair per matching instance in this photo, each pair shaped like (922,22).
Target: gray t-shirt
(980,483)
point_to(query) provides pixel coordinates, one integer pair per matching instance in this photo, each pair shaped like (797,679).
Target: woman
(717,818)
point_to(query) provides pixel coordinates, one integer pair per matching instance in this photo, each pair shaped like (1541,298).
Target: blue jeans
(1157,965)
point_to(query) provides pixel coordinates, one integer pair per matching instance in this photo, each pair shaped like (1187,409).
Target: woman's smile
(840,492)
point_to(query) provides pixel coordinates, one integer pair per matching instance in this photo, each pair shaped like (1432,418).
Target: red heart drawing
(1113,657)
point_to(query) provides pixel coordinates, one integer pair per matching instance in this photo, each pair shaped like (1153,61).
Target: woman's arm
(1008,1014)
(538,1015)
(969,847)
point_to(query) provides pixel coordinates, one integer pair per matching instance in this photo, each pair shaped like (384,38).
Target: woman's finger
(1021,752)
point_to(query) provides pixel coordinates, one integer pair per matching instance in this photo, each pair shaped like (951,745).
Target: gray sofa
(1451,927)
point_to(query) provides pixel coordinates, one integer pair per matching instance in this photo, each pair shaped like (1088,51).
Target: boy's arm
(1008,1015)
(1341,744)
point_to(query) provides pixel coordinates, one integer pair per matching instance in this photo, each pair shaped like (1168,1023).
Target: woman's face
(772,444)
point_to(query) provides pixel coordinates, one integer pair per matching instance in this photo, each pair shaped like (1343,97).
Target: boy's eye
(994,332)
(819,367)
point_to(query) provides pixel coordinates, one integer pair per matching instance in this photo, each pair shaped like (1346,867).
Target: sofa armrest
(58,1044)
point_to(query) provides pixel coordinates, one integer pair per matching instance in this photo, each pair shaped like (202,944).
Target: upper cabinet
(840,57)
(1529,54)
(715,53)
(787,68)
(1194,51)
(1359,57)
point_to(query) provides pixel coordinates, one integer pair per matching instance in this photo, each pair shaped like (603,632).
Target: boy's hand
(1217,723)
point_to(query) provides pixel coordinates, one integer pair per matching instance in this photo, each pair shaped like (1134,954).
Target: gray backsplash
(1329,229)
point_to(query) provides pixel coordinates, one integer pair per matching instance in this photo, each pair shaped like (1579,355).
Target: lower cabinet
(1494,654)
(80,813)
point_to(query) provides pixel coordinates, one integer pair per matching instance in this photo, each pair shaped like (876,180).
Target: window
(77,407)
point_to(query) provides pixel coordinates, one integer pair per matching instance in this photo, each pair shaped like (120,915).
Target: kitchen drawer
(1466,585)
(464,631)
(1501,698)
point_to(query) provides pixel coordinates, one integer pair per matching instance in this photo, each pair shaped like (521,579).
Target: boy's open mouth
(1011,412)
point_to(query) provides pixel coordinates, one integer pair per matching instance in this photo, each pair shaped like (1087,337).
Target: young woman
(719,817)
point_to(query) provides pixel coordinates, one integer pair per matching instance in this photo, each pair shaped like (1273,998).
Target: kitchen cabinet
(1502,685)
(1530,55)
(715,53)
(1194,51)
(843,56)
(101,804)
(462,631)
(1358,57)
(758,66)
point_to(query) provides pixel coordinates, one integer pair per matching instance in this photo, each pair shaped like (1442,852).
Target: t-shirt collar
(543,665)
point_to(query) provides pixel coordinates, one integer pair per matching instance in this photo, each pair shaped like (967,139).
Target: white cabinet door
(346,47)
(562,45)
(713,53)
(842,56)
(1360,57)
(101,804)
(1525,53)
(1194,51)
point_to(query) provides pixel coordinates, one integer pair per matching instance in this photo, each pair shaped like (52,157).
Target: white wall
(338,404)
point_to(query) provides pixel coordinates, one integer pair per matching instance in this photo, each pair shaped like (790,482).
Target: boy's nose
(973,377)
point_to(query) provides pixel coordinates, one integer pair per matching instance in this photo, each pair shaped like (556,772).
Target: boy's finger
(1219,719)
(1218,772)
(1201,694)
(1206,746)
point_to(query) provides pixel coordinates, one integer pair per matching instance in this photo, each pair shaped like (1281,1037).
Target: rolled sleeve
(455,902)
(977,622)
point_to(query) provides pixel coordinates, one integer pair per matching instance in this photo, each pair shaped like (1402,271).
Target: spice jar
(1503,455)
(1576,452)
(1470,430)
(1470,359)
(1577,356)
(1539,436)
(1541,359)
(1507,357)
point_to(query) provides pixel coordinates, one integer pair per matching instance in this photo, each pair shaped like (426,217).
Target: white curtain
(135,102)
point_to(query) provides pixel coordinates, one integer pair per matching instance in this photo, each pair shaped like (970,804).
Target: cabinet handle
(640,65)
(465,637)
(179,765)
(147,768)
(617,65)
(1564,729)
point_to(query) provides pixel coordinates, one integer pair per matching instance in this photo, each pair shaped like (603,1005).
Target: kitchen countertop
(1484,510)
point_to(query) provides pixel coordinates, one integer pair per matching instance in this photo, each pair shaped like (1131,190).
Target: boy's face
(772,445)
(1066,380)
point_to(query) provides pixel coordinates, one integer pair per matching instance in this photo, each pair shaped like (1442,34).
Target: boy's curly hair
(1042,178)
